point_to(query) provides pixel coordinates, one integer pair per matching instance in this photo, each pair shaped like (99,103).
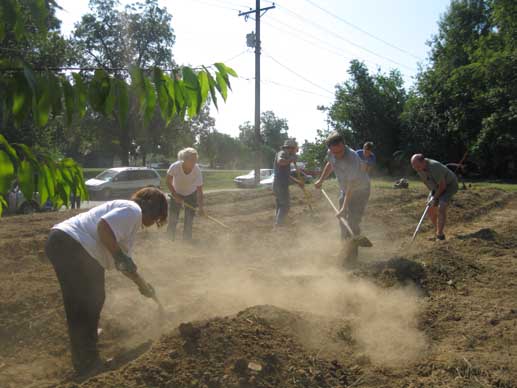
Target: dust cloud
(299,270)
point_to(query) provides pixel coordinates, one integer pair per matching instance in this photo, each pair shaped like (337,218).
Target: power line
(295,32)
(361,30)
(330,32)
(285,86)
(236,56)
(299,75)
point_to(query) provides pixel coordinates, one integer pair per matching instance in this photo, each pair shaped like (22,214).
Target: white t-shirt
(125,219)
(185,184)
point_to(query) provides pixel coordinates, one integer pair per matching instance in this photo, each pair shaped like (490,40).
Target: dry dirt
(257,308)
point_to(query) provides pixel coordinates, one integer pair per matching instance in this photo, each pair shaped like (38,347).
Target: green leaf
(109,103)
(80,94)
(21,98)
(203,85)
(68,92)
(220,84)
(26,178)
(150,101)
(11,152)
(54,85)
(3,204)
(99,90)
(211,84)
(44,185)
(179,95)
(137,83)
(169,87)
(121,101)
(163,98)
(25,152)
(224,71)
(41,113)
(192,91)
(6,172)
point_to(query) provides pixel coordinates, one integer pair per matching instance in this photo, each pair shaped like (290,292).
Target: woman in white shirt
(185,182)
(83,247)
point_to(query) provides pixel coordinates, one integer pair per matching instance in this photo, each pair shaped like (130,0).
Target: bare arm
(324,175)
(109,240)
(170,180)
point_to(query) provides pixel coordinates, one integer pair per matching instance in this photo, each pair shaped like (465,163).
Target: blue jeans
(356,208)
(174,214)
(282,204)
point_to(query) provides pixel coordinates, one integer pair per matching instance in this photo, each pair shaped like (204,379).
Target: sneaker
(440,237)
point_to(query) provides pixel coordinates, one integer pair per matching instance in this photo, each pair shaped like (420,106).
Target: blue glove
(124,263)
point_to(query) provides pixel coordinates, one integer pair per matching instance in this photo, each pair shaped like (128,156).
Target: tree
(109,38)
(224,150)
(368,108)
(314,154)
(273,133)
(466,100)
(43,93)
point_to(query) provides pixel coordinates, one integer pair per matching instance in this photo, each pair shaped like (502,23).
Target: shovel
(142,283)
(427,207)
(359,240)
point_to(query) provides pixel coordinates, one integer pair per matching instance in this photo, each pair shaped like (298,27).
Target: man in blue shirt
(354,183)
(367,156)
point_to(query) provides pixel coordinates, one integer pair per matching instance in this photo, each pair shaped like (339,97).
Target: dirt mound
(483,234)
(239,351)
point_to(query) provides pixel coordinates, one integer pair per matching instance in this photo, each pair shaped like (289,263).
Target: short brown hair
(334,138)
(153,203)
(368,146)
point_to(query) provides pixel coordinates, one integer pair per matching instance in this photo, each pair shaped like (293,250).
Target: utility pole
(258,140)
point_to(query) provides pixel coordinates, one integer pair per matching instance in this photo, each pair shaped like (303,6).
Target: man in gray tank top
(443,185)
(354,183)
(282,171)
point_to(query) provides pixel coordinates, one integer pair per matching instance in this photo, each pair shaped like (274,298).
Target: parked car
(163,165)
(268,182)
(248,180)
(18,204)
(121,182)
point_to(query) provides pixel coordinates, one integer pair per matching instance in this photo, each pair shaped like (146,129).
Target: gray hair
(187,153)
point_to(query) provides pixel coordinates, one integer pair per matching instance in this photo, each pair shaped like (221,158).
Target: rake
(359,240)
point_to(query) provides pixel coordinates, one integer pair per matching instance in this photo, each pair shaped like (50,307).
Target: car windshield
(106,175)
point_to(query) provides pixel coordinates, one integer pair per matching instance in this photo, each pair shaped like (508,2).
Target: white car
(248,180)
(268,182)
(121,182)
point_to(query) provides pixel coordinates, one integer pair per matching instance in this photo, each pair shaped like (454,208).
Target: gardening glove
(124,263)
(147,291)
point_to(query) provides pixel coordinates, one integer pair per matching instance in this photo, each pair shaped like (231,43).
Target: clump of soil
(238,351)
(482,234)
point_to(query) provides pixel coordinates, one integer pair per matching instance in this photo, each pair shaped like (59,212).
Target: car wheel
(106,194)
(28,208)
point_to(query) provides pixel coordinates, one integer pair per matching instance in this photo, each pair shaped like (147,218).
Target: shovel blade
(362,241)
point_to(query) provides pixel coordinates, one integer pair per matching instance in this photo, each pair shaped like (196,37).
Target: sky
(307,46)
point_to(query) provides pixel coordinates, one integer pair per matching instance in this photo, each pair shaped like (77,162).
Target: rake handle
(420,222)
(206,215)
(345,224)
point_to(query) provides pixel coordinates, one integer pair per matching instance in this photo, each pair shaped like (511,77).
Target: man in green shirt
(443,185)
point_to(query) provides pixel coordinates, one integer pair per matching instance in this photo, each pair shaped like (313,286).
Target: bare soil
(261,308)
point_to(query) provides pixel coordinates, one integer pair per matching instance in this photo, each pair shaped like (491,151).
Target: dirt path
(438,315)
